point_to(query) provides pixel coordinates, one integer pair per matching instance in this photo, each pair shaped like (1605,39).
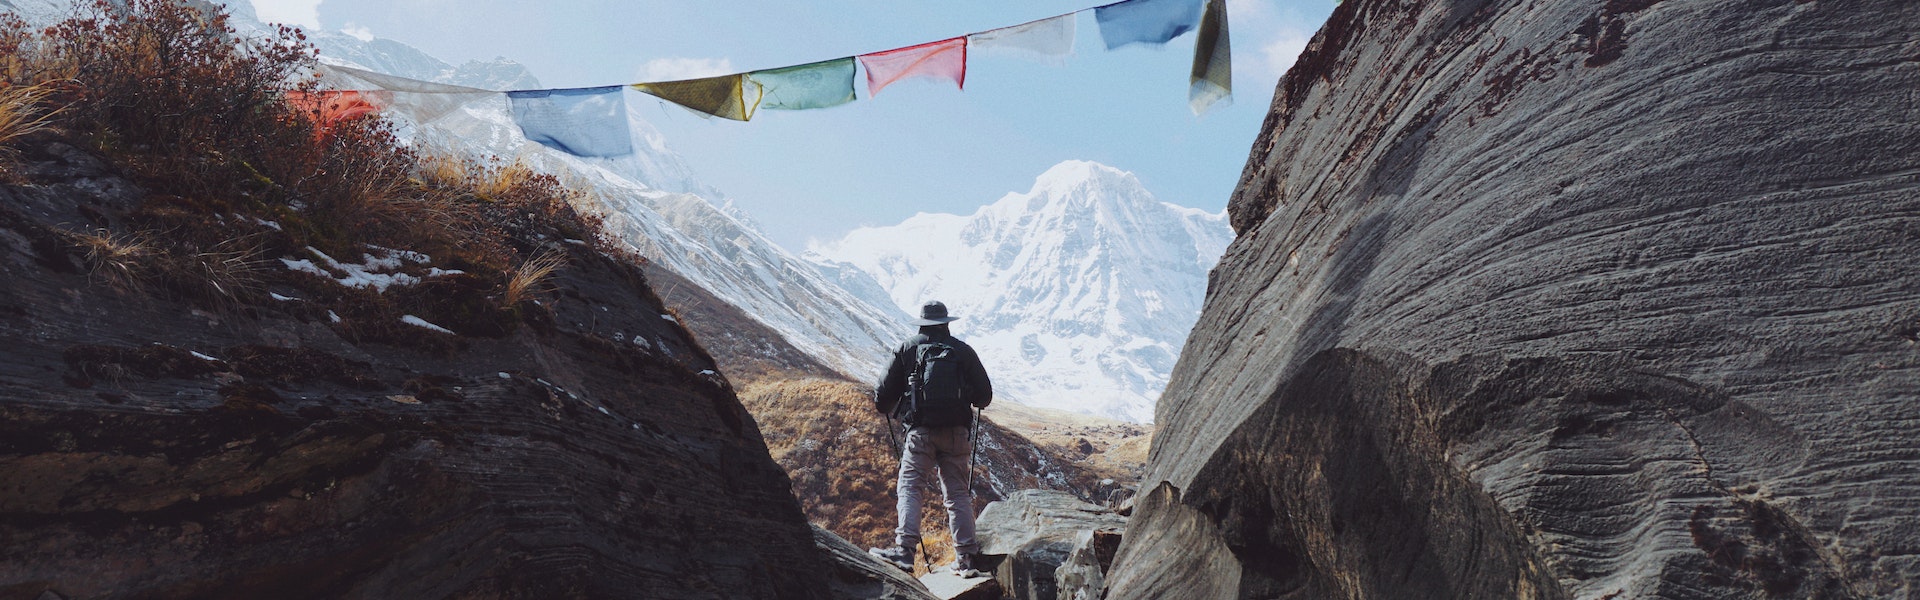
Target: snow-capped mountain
(1078,293)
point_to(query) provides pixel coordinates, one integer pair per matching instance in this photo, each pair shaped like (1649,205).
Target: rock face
(1037,531)
(1576,299)
(152,449)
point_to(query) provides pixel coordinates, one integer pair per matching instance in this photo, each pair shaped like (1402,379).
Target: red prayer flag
(333,106)
(945,58)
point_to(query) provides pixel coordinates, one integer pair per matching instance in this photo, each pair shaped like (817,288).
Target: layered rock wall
(151,448)
(1584,298)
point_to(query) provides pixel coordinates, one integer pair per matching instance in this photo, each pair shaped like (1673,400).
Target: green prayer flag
(724,96)
(1212,79)
(823,84)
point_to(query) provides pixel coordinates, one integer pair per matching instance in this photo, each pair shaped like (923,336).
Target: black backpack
(938,394)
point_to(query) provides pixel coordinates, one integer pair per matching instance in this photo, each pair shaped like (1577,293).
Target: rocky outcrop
(1036,532)
(155,448)
(1577,299)
(858,575)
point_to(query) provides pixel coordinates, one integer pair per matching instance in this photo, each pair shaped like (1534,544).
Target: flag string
(590,121)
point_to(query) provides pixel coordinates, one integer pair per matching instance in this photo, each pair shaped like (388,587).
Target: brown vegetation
(836,449)
(837,452)
(233,176)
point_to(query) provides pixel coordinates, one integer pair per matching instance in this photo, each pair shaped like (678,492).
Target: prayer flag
(945,59)
(726,96)
(1146,21)
(578,121)
(1212,79)
(333,106)
(1050,38)
(814,85)
(421,101)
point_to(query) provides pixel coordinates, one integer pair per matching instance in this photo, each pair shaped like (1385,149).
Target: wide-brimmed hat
(934,313)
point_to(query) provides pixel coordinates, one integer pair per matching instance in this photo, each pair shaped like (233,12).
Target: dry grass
(217,277)
(530,277)
(220,277)
(501,181)
(121,260)
(22,113)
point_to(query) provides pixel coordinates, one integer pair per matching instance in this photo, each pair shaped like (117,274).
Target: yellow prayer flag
(726,96)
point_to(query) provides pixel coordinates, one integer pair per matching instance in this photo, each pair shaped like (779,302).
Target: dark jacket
(893,388)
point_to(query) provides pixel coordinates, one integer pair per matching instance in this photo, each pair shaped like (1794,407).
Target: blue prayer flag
(1146,21)
(578,121)
(816,85)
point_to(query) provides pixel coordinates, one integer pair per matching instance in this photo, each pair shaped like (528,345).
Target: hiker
(932,385)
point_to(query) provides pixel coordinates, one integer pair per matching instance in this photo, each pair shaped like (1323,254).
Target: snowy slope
(651,200)
(1078,293)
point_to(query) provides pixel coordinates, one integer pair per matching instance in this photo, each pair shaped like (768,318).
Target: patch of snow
(407,255)
(266,223)
(419,322)
(203,356)
(333,317)
(670,318)
(603,410)
(280,297)
(707,372)
(504,375)
(363,275)
(388,263)
(305,266)
(439,272)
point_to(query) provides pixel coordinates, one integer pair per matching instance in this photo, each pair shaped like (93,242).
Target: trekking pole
(973,448)
(894,444)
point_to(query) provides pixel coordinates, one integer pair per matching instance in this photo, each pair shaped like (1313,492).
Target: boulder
(857,575)
(1082,576)
(1567,299)
(948,585)
(1036,531)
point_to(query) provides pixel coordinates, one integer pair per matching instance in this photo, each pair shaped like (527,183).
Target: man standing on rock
(933,385)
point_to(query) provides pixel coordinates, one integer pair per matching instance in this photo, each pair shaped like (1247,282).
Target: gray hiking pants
(948,450)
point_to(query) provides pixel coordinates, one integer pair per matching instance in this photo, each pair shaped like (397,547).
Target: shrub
(215,128)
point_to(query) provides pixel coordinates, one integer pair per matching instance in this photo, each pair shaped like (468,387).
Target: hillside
(1580,299)
(835,448)
(256,354)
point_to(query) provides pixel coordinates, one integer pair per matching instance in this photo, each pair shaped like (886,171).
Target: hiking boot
(897,555)
(967,564)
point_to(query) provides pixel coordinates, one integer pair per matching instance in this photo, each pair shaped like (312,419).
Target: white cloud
(1249,11)
(673,69)
(305,13)
(362,33)
(1278,53)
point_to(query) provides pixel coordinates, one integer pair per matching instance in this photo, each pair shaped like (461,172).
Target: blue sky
(921,145)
